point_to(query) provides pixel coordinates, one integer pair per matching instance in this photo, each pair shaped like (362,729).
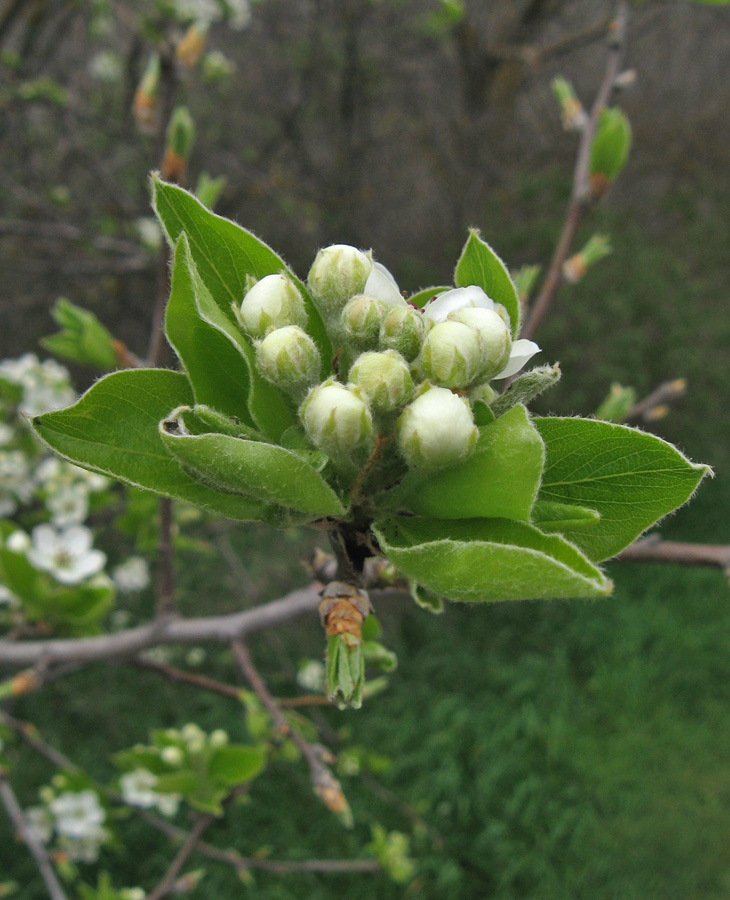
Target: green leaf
(421,298)
(217,371)
(265,471)
(114,429)
(480,265)
(225,254)
(632,479)
(551,517)
(488,560)
(235,764)
(185,782)
(499,480)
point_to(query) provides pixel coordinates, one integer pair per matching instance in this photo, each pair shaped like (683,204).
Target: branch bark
(580,199)
(678,554)
(36,849)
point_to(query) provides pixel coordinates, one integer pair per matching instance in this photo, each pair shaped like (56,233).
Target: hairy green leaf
(480,265)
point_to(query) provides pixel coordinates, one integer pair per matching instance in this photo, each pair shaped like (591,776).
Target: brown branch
(325,785)
(167,884)
(678,554)
(180,676)
(580,199)
(669,390)
(129,643)
(165,601)
(36,849)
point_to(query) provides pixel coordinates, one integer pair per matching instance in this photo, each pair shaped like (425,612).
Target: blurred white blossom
(106,66)
(138,789)
(45,385)
(39,822)
(67,554)
(69,505)
(132,575)
(311,676)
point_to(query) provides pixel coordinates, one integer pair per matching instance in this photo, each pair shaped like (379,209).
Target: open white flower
(78,815)
(39,823)
(439,309)
(132,575)
(69,505)
(137,788)
(67,554)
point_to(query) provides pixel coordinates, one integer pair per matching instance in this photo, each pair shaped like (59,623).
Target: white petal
(522,352)
(454,300)
(76,540)
(82,567)
(45,540)
(383,286)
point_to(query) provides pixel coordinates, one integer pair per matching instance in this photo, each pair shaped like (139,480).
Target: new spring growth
(524,279)
(573,115)
(338,273)
(577,265)
(437,429)
(609,150)
(495,336)
(179,141)
(191,46)
(144,107)
(82,339)
(337,419)
(402,330)
(617,405)
(452,355)
(361,319)
(289,358)
(272,302)
(384,379)
(343,609)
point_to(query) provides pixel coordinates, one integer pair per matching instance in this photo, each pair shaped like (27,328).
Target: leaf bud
(338,273)
(384,379)
(289,358)
(402,330)
(437,429)
(191,46)
(609,150)
(179,141)
(495,335)
(270,303)
(145,106)
(336,419)
(361,319)
(452,355)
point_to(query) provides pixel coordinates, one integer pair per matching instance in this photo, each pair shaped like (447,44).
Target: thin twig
(580,199)
(669,390)
(167,884)
(36,849)
(675,553)
(165,602)
(201,682)
(325,785)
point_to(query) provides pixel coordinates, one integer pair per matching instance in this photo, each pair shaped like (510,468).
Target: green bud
(180,132)
(289,358)
(482,393)
(495,335)
(437,429)
(361,319)
(384,379)
(338,273)
(402,330)
(272,302)
(82,339)
(336,419)
(452,355)
(609,150)
(619,403)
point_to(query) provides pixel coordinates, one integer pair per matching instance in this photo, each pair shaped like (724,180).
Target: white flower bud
(218,738)
(338,273)
(361,320)
(452,355)
(495,336)
(384,379)
(402,330)
(289,358)
(18,542)
(173,756)
(437,429)
(272,302)
(336,418)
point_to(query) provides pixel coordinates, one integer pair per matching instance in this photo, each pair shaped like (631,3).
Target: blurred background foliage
(536,750)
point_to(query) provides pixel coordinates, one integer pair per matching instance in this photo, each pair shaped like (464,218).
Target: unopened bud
(482,393)
(178,144)
(609,150)
(452,355)
(577,265)
(190,48)
(289,358)
(272,302)
(571,109)
(617,405)
(337,419)
(495,335)
(144,107)
(525,278)
(338,273)
(384,379)
(172,755)
(361,319)
(402,330)
(437,429)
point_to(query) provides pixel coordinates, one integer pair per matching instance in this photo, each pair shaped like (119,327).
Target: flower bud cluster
(401,376)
